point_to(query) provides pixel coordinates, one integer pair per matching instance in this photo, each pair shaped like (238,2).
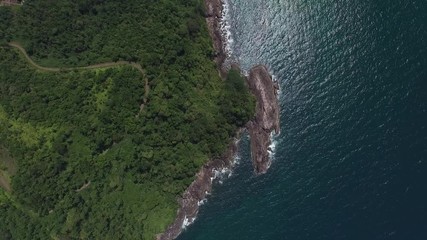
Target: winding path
(135,65)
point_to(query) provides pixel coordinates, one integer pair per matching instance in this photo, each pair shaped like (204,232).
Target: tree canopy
(91,162)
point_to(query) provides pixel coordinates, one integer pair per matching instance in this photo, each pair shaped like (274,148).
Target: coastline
(195,195)
(214,18)
(266,121)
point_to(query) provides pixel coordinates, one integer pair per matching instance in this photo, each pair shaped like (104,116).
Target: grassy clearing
(26,133)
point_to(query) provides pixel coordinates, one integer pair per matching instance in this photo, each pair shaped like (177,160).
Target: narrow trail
(135,65)
(4,183)
(86,185)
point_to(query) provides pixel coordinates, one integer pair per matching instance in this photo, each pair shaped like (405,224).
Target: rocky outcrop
(260,127)
(266,119)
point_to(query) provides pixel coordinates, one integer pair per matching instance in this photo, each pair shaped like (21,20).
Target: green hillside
(95,155)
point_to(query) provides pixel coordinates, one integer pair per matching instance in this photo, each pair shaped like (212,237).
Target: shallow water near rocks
(350,162)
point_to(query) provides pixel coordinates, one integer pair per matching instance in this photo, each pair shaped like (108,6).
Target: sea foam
(187,222)
(226,28)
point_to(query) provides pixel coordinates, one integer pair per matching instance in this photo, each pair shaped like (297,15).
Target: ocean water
(351,159)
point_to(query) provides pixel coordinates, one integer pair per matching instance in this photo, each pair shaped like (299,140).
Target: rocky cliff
(266,119)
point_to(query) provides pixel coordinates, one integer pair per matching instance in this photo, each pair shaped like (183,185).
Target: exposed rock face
(213,18)
(267,116)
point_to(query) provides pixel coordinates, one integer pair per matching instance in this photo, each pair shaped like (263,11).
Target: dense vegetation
(90,163)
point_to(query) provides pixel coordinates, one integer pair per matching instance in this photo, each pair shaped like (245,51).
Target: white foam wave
(223,173)
(201,202)
(236,160)
(226,28)
(187,222)
(272,147)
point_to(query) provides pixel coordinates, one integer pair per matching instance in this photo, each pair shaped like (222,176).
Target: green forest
(84,153)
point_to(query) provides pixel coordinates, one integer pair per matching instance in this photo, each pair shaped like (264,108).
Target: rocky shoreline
(197,192)
(260,128)
(214,15)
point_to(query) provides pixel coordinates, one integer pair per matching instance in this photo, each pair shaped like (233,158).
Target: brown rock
(266,119)
(214,17)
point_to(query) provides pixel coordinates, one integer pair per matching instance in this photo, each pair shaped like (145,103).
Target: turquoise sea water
(351,160)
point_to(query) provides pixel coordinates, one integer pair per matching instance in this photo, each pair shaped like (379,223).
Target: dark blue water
(350,162)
